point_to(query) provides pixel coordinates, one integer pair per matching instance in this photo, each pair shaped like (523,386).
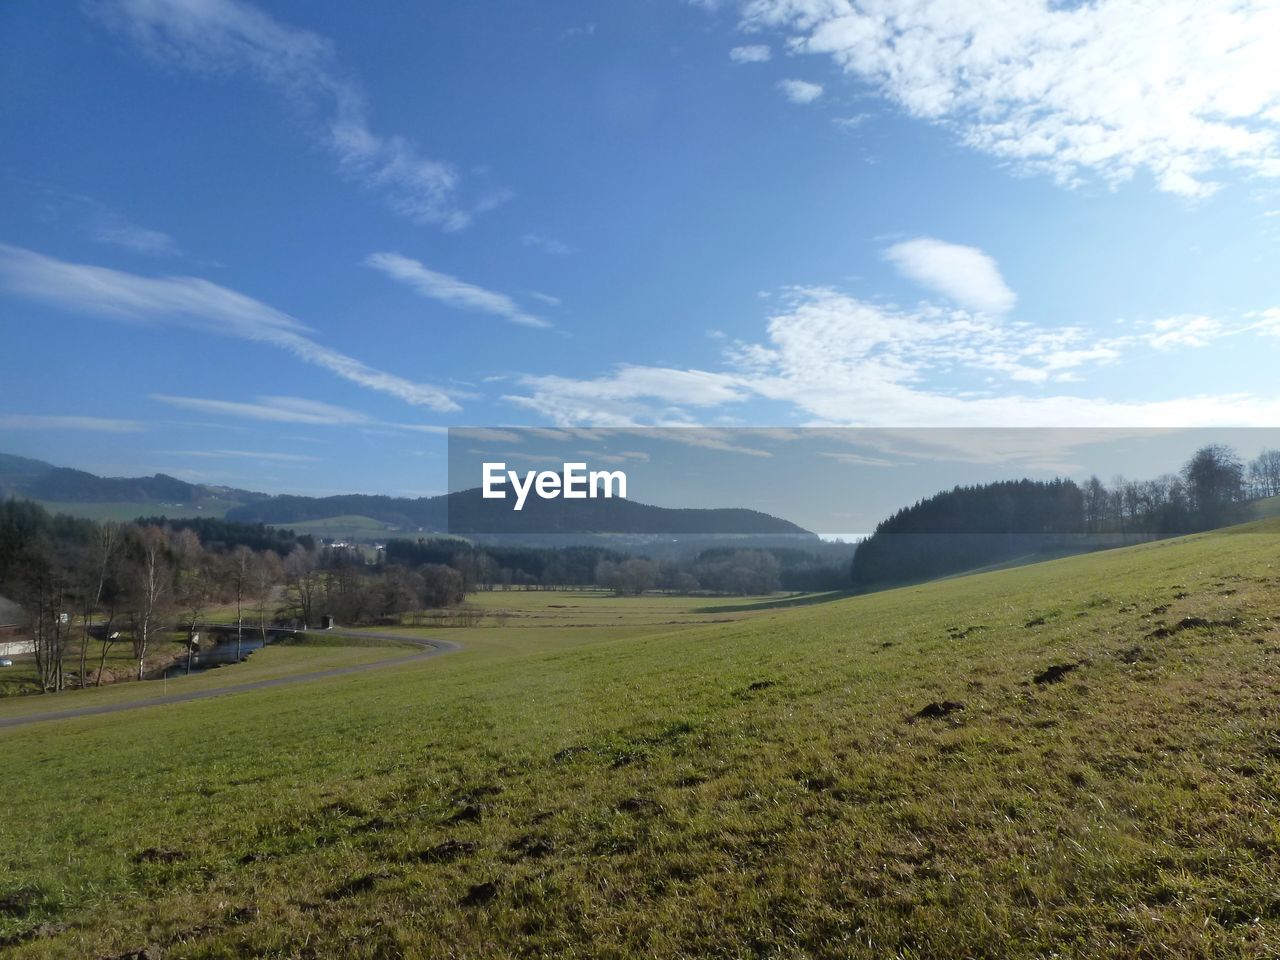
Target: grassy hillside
(1266,507)
(353,528)
(1077,758)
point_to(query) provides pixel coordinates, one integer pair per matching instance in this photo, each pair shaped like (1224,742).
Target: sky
(286,245)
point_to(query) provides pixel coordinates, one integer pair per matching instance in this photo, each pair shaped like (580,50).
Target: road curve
(430,648)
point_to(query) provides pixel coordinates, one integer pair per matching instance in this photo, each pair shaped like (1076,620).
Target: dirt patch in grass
(356,885)
(1054,673)
(479,894)
(532,847)
(641,806)
(446,852)
(470,813)
(1191,623)
(937,710)
(156,855)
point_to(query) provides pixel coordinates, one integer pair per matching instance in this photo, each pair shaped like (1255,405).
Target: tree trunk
(84,652)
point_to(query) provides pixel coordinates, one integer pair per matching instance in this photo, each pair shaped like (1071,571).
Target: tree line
(728,570)
(969,527)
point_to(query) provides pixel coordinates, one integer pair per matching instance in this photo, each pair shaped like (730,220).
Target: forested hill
(465,512)
(971,527)
(37,480)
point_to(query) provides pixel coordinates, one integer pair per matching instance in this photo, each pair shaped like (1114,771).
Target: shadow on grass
(808,599)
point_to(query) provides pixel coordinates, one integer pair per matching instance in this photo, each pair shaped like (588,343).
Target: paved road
(430,648)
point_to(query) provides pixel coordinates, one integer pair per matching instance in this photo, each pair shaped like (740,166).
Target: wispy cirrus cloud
(540,241)
(751,53)
(265,456)
(833,359)
(118,232)
(800,91)
(964,274)
(39,421)
(270,409)
(102,223)
(195,304)
(275,409)
(449,290)
(214,36)
(1185,330)
(627,396)
(1180,89)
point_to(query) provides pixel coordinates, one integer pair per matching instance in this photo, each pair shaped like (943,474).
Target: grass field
(282,659)
(353,527)
(1076,759)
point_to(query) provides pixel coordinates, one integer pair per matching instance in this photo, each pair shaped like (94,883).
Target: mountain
(13,468)
(38,480)
(465,512)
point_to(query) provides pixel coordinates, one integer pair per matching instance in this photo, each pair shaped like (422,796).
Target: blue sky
(282,245)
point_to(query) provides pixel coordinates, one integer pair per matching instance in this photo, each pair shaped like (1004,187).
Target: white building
(15,639)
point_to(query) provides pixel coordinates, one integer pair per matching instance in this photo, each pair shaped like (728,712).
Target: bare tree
(1215,483)
(263,577)
(1264,474)
(151,589)
(194,584)
(238,570)
(100,560)
(43,594)
(302,584)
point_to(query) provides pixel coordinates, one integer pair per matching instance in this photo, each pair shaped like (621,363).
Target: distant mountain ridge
(461,512)
(38,480)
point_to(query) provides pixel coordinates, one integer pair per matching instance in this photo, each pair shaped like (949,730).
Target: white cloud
(800,91)
(292,410)
(1266,322)
(836,360)
(451,290)
(965,274)
(196,304)
(1185,330)
(851,122)
(855,459)
(32,421)
(546,298)
(486,434)
(1180,89)
(103,224)
(271,409)
(228,35)
(557,248)
(753,53)
(611,401)
(118,232)
(247,455)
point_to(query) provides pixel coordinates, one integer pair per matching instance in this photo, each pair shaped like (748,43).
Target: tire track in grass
(430,648)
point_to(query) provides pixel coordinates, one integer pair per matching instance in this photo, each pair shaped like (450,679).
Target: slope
(1077,758)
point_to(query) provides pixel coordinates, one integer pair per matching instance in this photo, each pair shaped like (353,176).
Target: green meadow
(1078,758)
